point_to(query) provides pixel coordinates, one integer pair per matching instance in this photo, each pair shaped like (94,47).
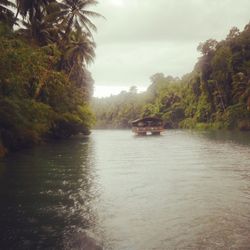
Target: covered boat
(147,125)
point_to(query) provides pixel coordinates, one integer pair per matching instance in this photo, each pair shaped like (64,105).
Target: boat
(147,125)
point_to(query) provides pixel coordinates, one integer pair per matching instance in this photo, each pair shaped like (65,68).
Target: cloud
(186,20)
(133,63)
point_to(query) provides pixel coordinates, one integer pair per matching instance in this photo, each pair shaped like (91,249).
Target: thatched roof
(147,120)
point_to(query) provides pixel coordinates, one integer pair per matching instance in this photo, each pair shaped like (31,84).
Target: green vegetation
(215,95)
(45,86)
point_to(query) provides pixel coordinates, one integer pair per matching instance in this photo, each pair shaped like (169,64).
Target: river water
(180,190)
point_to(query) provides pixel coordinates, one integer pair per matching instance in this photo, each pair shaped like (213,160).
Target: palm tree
(34,14)
(7,15)
(74,14)
(79,52)
(32,8)
(80,49)
(43,32)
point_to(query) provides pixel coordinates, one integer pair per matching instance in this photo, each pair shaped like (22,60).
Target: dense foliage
(45,86)
(216,94)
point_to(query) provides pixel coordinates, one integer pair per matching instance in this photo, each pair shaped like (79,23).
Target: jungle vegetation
(45,87)
(216,94)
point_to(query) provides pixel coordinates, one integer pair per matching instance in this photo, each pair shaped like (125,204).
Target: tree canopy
(216,94)
(45,85)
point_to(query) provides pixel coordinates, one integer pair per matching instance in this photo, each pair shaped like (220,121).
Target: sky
(139,38)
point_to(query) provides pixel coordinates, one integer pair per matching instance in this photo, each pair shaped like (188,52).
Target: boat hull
(147,130)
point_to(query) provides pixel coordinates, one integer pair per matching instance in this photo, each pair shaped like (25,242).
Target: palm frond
(87,23)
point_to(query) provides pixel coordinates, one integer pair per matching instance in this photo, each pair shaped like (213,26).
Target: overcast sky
(142,37)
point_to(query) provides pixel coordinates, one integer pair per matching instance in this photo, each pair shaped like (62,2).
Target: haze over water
(181,190)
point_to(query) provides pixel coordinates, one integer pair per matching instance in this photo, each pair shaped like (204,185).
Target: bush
(68,124)
(188,123)
(23,122)
(244,125)
(235,114)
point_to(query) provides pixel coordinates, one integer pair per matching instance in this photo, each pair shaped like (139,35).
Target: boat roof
(147,119)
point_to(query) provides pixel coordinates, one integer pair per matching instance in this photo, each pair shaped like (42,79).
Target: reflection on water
(235,137)
(46,195)
(182,190)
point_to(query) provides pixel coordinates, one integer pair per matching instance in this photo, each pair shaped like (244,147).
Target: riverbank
(216,94)
(39,97)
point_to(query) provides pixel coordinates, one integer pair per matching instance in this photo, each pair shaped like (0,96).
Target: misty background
(142,37)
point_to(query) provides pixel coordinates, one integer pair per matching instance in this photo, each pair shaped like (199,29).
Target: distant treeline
(45,87)
(215,95)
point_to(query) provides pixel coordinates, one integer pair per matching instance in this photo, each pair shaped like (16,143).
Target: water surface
(181,190)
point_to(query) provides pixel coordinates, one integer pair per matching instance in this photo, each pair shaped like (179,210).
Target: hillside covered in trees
(216,94)
(45,86)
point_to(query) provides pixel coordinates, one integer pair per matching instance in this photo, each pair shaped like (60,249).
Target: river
(180,190)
